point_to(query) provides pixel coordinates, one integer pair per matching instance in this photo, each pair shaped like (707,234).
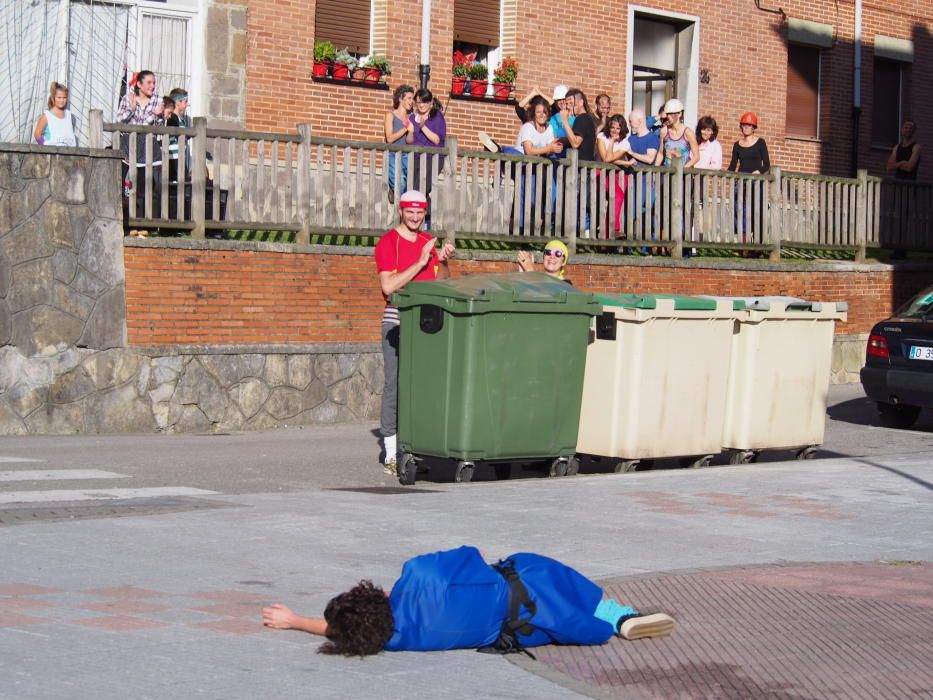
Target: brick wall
(218,294)
(584,44)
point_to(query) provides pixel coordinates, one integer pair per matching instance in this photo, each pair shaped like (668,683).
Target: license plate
(919,353)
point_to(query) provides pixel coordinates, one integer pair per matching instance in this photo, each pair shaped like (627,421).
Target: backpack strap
(514,624)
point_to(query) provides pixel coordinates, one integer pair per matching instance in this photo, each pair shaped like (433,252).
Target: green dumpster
(491,368)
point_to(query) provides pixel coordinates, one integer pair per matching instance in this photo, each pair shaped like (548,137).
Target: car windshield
(918,307)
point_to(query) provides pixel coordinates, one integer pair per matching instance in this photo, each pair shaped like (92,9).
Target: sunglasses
(556,253)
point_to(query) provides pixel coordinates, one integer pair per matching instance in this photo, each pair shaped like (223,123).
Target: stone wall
(125,390)
(225,55)
(61,250)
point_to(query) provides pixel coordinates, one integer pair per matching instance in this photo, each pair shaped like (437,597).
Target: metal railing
(203,179)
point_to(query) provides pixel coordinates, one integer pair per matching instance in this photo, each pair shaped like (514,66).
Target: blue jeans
(403,184)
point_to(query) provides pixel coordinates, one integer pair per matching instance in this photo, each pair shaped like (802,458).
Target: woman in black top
(905,156)
(750,152)
(749,155)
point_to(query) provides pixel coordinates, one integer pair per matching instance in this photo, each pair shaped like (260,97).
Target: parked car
(898,372)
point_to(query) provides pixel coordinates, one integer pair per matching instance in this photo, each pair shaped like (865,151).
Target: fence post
(861,215)
(776,213)
(571,196)
(95,124)
(199,176)
(304,183)
(450,216)
(677,209)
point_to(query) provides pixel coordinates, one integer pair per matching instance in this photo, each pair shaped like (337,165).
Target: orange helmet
(749,118)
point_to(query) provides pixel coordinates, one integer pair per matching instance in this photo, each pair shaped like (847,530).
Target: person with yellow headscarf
(556,255)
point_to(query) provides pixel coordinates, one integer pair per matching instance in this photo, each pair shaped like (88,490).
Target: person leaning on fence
(429,129)
(904,161)
(614,148)
(750,156)
(142,106)
(555,257)
(454,600)
(399,130)
(56,125)
(403,254)
(603,110)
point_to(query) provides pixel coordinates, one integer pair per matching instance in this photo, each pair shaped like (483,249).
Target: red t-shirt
(395,253)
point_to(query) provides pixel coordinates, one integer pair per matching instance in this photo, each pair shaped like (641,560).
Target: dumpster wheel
(698,463)
(808,452)
(407,469)
(573,466)
(464,473)
(626,466)
(744,457)
(558,467)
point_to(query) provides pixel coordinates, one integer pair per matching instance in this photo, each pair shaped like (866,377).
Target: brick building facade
(729,58)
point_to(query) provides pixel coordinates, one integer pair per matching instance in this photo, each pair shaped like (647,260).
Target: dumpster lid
(500,292)
(791,304)
(650,301)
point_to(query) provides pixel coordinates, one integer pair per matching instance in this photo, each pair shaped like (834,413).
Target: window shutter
(803,91)
(477,22)
(886,103)
(343,22)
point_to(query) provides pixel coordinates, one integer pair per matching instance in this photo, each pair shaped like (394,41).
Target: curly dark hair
(533,105)
(616,119)
(359,621)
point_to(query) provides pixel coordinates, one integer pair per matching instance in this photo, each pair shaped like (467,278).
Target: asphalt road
(345,456)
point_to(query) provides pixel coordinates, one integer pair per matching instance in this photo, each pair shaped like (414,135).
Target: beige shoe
(647,626)
(390,468)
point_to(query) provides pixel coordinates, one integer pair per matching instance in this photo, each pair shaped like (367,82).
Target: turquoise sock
(612,612)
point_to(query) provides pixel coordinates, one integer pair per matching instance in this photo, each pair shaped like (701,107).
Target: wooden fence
(201,179)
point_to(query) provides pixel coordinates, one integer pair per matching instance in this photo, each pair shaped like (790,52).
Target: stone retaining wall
(125,390)
(61,249)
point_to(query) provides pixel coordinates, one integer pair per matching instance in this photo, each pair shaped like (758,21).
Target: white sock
(391,445)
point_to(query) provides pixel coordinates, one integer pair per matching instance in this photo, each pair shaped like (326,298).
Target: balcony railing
(201,179)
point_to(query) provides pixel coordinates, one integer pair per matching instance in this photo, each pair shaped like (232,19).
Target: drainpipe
(424,69)
(857,85)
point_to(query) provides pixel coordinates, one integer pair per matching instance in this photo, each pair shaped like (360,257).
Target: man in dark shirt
(582,133)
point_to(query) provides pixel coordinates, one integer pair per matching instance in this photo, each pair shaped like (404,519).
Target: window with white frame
(93,47)
(477,30)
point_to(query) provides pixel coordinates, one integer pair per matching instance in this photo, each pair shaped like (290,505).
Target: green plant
(380,63)
(478,71)
(344,56)
(507,72)
(324,51)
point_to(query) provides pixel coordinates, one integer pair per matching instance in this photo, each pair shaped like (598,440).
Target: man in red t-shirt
(403,254)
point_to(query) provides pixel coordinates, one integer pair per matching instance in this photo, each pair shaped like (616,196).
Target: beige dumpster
(779,377)
(655,381)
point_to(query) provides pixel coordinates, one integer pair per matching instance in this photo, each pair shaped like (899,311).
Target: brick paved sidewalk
(793,631)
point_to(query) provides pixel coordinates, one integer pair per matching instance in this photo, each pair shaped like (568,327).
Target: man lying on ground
(455,600)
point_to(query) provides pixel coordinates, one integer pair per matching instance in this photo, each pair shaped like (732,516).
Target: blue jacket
(455,600)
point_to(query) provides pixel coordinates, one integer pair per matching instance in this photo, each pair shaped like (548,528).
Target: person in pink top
(710,148)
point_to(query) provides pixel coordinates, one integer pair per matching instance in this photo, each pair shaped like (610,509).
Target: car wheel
(897,416)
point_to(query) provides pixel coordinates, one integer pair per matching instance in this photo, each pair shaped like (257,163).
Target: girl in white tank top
(56,125)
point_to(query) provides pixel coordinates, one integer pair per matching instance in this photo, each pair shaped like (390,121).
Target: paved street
(112,590)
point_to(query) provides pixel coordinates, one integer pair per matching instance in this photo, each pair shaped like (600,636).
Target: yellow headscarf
(559,245)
